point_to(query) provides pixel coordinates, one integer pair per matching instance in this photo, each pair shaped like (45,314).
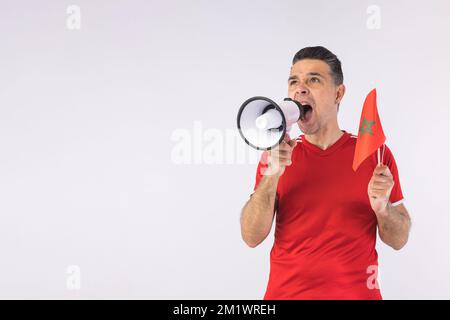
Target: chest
(313,181)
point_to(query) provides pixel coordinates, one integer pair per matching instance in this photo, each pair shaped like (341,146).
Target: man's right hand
(280,157)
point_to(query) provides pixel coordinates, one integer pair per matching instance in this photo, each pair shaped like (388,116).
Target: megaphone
(263,123)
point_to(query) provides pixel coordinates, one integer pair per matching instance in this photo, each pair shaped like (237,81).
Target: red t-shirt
(325,229)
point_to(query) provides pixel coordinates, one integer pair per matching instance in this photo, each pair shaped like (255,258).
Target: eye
(315,80)
(293,82)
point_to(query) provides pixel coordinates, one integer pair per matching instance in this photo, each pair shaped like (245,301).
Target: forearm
(258,212)
(394,224)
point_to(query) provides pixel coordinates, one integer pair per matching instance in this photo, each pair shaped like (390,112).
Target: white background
(87,117)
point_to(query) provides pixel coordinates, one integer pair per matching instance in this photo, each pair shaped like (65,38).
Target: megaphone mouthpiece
(301,108)
(269,120)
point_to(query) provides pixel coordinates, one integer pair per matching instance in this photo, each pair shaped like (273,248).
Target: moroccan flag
(370,135)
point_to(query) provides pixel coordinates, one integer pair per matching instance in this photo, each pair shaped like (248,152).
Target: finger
(280,157)
(277,149)
(379,185)
(283,155)
(281,144)
(380,179)
(283,158)
(379,169)
(378,194)
(377,189)
(379,197)
(286,162)
(284,146)
(282,152)
(282,162)
(383,170)
(285,152)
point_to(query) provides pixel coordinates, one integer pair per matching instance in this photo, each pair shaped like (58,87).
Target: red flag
(370,135)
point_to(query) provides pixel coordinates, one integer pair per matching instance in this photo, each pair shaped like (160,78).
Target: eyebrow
(308,74)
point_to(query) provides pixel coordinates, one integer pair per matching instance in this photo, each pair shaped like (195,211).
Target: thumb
(292,143)
(286,138)
(383,170)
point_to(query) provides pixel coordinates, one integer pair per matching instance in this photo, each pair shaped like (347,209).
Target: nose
(301,89)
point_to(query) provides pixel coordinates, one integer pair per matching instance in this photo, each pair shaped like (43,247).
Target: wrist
(385,211)
(272,177)
(274,172)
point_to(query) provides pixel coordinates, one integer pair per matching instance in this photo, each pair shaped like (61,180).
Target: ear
(340,93)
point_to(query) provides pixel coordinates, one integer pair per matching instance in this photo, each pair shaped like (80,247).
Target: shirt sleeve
(388,159)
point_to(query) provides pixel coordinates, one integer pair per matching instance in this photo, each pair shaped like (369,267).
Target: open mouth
(307,114)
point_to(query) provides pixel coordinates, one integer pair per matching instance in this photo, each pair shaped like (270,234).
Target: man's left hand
(379,189)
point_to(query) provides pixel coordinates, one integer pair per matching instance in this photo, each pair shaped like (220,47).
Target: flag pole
(380,158)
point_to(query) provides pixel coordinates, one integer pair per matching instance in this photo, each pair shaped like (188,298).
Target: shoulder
(385,151)
(352,138)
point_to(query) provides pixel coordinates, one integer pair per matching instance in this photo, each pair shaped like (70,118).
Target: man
(326,214)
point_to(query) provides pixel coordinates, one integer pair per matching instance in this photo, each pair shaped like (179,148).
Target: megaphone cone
(262,123)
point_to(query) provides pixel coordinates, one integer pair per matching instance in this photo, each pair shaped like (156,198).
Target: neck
(325,137)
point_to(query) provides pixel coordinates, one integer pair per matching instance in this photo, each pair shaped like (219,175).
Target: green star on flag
(366,126)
